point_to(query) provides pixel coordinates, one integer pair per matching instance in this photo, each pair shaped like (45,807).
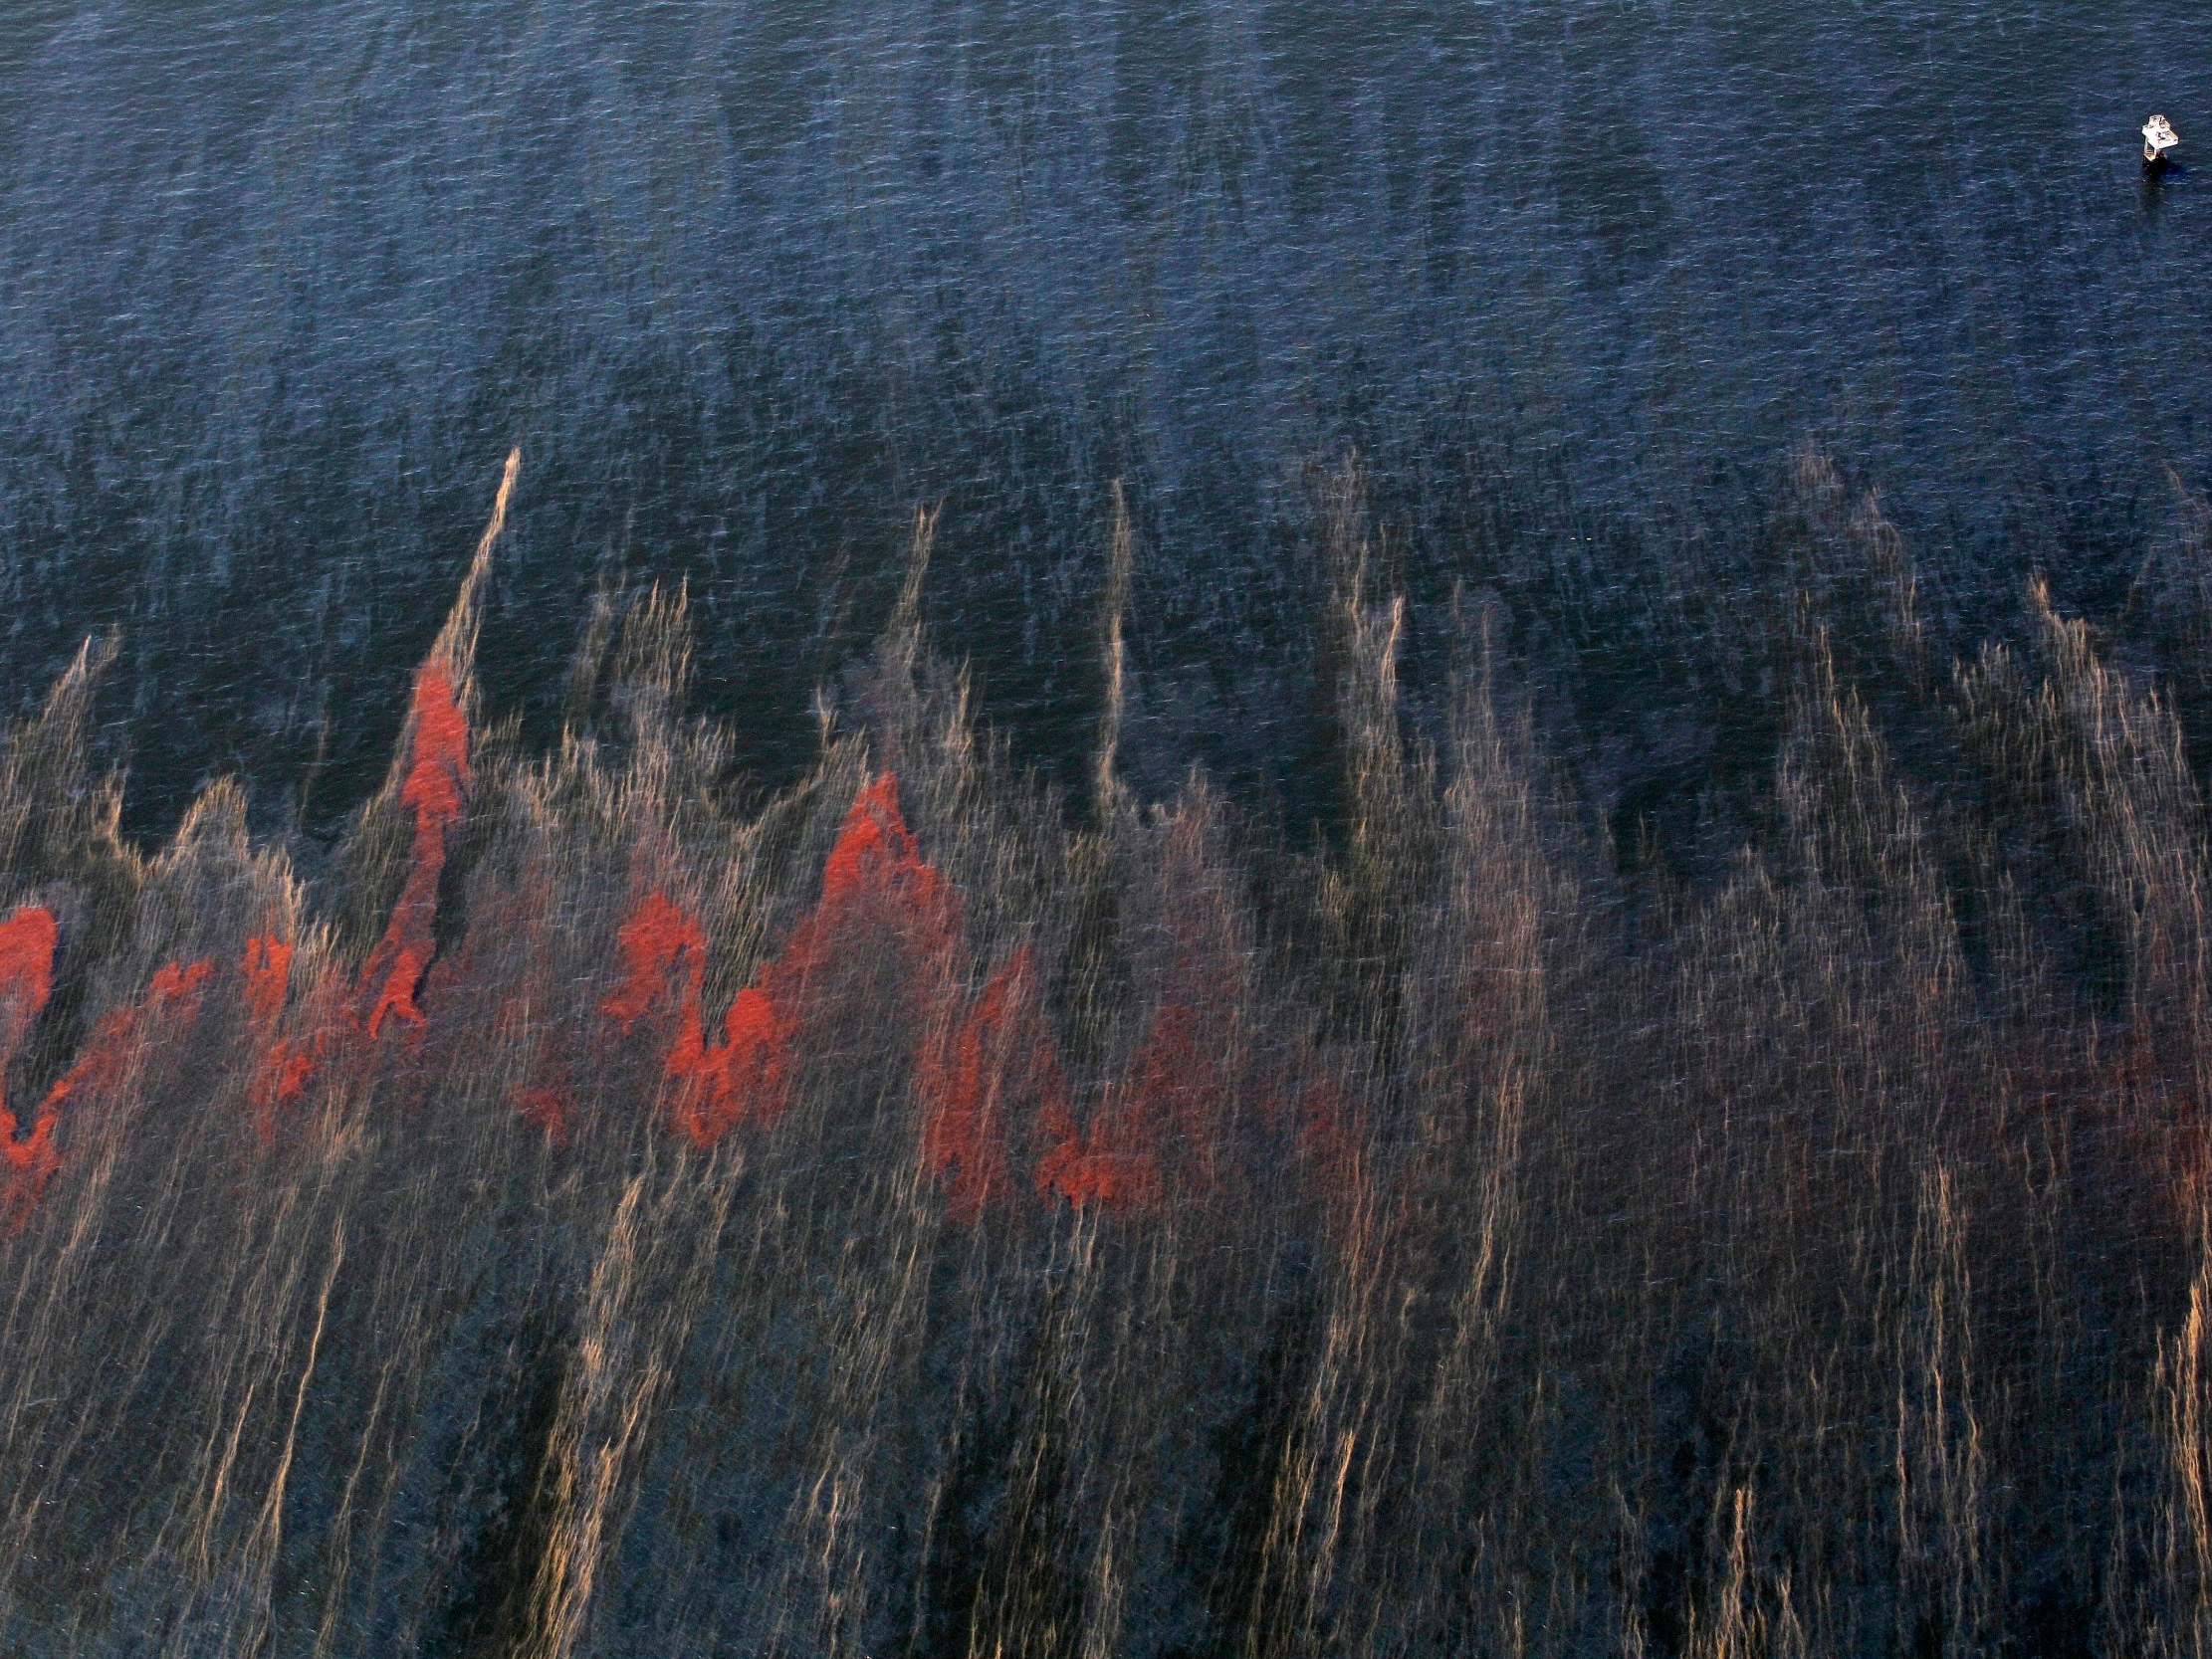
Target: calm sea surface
(280,283)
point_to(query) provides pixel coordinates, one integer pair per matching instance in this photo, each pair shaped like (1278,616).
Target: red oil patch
(26,1166)
(267,968)
(403,976)
(1170,1121)
(117,1040)
(179,981)
(107,1052)
(974,1074)
(435,790)
(661,943)
(876,858)
(876,888)
(1108,1166)
(119,1037)
(282,1065)
(27,941)
(294,1064)
(876,881)
(1170,1113)
(746,1078)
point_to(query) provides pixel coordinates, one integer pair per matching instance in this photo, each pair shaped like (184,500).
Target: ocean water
(1708,1152)
(280,284)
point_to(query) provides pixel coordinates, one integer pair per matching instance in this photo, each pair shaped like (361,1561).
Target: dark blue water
(280,283)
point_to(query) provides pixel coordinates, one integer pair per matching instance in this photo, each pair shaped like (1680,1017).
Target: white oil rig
(2158,138)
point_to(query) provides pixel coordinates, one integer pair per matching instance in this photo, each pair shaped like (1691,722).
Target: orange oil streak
(657,941)
(116,1039)
(1106,1166)
(875,883)
(26,1167)
(435,790)
(27,942)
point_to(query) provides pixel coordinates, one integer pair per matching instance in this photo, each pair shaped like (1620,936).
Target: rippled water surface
(280,284)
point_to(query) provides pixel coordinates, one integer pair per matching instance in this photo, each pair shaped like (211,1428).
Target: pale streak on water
(280,283)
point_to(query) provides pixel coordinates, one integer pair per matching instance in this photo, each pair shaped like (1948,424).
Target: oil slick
(915,1213)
